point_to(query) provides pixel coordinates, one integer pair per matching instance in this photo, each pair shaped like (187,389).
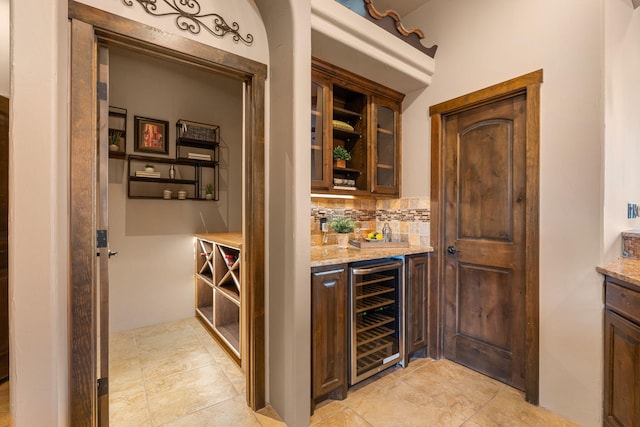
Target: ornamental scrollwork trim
(189,17)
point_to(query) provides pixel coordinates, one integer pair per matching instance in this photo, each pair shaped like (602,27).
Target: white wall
(38,228)
(622,146)
(484,43)
(4,48)
(151,280)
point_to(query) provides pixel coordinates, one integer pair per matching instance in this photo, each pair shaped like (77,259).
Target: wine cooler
(376,293)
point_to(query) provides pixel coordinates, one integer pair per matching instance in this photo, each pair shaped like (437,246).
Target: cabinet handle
(324,273)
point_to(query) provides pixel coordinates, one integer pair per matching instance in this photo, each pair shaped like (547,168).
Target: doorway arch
(90,25)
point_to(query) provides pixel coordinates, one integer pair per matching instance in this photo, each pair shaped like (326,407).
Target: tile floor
(4,404)
(175,374)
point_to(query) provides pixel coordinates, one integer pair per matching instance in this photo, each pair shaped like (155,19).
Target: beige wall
(484,43)
(287,198)
(622,146)
(151,280)
(38,229)
(244,12)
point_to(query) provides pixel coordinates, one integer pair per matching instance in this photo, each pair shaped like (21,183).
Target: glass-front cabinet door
(386,147)
(320,138)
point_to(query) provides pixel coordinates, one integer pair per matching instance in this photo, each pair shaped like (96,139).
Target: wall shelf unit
(192,171)
(219,287)
(117,132)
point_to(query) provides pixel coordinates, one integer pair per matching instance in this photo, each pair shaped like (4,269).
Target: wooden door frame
(89,25)
(529,85)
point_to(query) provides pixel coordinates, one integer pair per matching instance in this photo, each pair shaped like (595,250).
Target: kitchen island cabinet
(622,343)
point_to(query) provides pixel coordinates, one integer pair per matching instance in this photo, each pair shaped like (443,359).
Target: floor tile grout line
(144,383)
(502,387)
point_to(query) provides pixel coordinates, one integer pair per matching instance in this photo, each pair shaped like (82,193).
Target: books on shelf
(144,174)
(341,187)
(344,181)
(198,156)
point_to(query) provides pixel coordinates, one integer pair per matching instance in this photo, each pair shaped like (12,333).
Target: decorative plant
(209,189)
(342,224)
(114,139)
(149,166)
(340,153)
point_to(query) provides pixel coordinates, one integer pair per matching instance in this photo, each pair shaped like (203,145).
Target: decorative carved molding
(189,17)
(390,21)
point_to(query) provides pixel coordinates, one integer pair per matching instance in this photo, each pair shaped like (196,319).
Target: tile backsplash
(409,217)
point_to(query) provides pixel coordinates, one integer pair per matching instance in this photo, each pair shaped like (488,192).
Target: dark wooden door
(4,242)
(328,333)
(102,224)
(484,220)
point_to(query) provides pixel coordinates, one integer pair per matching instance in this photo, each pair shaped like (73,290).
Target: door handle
(110,253)
(452,250)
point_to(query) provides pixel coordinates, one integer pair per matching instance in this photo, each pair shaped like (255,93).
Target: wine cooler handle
(378,268)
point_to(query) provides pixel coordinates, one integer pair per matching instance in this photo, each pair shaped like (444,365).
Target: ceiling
(402,7)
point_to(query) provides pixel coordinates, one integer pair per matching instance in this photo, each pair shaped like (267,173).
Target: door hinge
(102,91)
(103,386)
(101,238)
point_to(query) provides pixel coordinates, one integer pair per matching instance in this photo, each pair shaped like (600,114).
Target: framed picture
(151,135)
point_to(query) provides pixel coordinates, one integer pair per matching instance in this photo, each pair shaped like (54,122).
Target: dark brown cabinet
(328,333)
(4,238)
(363,118)
(417,273)
(622,354)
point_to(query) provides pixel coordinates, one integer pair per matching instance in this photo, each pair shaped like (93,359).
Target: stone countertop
(626,269)
(331,254)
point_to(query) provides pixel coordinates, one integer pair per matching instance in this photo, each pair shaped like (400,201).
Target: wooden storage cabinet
(321,174)
(622,354)
(364,118)
(386,147)
(329,327)
(417,274)
(330,323)
(218,287)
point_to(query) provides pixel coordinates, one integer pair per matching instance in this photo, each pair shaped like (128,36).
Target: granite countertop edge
(625,269)
(331,254)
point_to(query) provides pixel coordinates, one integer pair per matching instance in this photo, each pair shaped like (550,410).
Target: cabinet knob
(452,250)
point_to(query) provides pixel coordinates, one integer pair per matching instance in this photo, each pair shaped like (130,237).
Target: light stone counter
(331,254)
(625,269)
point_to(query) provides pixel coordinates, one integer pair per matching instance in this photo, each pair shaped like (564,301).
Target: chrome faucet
(324,228)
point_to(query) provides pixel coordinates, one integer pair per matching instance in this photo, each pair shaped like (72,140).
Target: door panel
(485,177)
(484,317)
(102,186)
